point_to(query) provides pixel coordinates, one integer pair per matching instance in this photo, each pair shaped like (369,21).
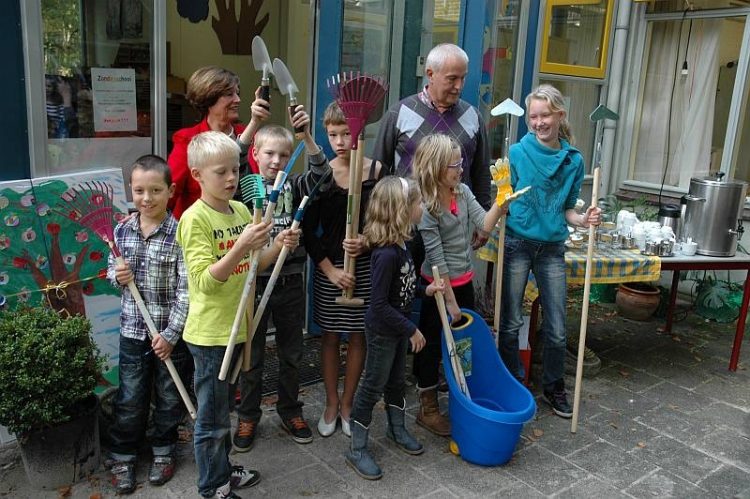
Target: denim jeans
(141,371)
(287,306)
(212,435)
(547,261)
(427,361)
(385,366)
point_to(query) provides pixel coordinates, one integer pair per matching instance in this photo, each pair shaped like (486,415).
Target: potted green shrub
(49,366)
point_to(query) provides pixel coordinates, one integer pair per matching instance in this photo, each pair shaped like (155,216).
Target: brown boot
(429,414)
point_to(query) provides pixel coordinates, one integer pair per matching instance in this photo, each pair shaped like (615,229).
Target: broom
(90,206)
(357,94)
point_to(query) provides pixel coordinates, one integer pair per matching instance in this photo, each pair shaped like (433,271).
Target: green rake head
(253,190)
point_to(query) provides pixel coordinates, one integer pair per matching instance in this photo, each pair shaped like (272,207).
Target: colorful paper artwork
(46,258)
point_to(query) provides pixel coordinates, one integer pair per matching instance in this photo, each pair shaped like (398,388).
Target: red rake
(357,94)
(90,205)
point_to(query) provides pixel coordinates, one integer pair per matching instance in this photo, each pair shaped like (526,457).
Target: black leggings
(427,361)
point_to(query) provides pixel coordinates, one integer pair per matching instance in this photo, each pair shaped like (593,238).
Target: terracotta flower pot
(637,300)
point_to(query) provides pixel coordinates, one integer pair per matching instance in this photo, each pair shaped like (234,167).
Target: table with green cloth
(616,265)
(610,266)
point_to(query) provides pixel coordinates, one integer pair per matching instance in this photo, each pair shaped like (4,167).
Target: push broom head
(89,204)
(357,94)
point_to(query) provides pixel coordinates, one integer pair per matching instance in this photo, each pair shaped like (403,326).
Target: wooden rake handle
(247,292)
(352,222)
(585,308)
(152,332)
(458,370)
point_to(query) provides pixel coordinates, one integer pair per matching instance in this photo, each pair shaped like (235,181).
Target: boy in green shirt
(216,234)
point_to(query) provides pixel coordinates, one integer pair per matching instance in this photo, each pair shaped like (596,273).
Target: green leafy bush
(48,366)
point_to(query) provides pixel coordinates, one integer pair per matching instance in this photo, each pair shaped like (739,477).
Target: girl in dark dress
(324,229)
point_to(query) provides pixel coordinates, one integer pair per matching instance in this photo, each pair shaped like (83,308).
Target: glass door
(96,65)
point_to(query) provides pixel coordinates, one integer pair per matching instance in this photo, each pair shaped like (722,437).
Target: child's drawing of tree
(41,249)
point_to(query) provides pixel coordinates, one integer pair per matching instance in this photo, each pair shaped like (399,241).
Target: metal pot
(713,214)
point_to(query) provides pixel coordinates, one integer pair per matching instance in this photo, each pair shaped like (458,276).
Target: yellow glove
(500,172)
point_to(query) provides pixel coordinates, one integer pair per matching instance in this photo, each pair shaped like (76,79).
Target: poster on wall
(48,259)
(114,99)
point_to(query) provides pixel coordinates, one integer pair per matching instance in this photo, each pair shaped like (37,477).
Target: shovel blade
(602,112)
(284,78)
(261,59)
(508,106)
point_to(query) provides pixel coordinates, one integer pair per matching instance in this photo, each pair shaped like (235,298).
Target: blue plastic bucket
(486,427)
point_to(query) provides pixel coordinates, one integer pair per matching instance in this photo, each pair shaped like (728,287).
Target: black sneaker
(225,492)
(161,470)
(592,364)
(241,477)
(298,429)
(558,399)
(244,436)
(123,477)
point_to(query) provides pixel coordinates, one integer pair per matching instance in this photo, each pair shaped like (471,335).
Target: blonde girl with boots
(395,206)
(450,214)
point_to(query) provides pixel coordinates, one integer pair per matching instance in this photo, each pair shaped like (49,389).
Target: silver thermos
(669,215)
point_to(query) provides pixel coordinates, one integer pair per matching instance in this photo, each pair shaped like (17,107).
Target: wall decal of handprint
(235,34)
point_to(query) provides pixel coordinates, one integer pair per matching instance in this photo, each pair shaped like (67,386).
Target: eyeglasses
(457,164)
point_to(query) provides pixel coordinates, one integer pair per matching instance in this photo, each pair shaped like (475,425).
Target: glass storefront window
(581,98)
(498,71)
(577,39)
(366,47)
(686,99)
(445,21)
(366,41)
(97,60)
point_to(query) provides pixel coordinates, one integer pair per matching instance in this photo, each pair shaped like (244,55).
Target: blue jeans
(547,261)
(140,372)
(385,367)
(212,435)
(287,305)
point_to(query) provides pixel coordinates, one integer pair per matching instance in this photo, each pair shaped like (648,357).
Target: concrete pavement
(663,418)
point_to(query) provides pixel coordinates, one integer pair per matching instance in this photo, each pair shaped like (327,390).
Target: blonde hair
(273,132)
(432,156)
(212,148)
(333,115)
(556,103)
(389,211)
(207,84)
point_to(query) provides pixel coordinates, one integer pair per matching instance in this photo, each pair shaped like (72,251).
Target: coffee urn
(713,214)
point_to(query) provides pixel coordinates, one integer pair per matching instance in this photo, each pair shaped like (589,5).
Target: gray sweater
(447,238)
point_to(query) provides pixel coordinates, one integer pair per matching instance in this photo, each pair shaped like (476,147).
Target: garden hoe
(501,176)
(600,113)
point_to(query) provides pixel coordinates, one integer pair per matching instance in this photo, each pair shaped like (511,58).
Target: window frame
(626,143)
(598,72)
(32,28)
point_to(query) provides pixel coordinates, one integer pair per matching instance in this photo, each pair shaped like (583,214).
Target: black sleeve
(310,225)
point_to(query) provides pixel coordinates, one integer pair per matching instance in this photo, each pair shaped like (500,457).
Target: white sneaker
(327,429)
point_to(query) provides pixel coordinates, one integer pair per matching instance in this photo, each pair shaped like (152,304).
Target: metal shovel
(287,87)
(262,62)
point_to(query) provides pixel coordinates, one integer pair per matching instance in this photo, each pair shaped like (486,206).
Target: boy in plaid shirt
(153,259)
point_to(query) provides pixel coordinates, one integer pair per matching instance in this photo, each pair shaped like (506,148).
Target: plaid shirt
(160,276)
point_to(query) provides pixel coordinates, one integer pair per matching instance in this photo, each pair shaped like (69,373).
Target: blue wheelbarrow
(486,422)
